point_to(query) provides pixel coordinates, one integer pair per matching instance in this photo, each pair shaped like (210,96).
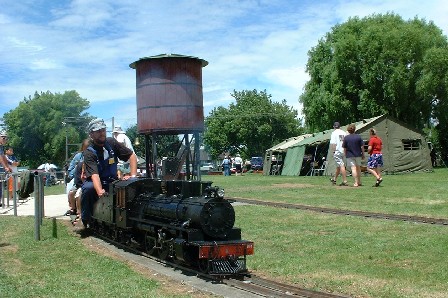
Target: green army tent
(404,149)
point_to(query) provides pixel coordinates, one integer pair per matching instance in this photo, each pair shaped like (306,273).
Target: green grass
(421,194)
(350,255)
(354,256)
(63,266)
(54,190)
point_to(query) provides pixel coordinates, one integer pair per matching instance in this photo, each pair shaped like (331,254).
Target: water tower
(170,101)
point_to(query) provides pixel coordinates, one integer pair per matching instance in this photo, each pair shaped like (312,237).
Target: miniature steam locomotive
(186,221)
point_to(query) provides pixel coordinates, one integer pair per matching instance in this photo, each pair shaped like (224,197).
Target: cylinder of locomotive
(215,217)
(169,94)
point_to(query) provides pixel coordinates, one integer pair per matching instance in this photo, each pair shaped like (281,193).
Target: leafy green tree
(249,126)
(36,127)
(375,65)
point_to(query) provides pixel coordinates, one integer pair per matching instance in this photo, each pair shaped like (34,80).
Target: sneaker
(333,181)
(378,182)
(344,184)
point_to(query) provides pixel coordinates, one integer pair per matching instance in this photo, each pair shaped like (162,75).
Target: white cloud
(43,64)
(87,45)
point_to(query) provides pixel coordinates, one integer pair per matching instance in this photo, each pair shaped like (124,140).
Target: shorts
(238,168)
(375,161)
(354,161)
(338,158)
(78,193)
(11,184)
(71,186)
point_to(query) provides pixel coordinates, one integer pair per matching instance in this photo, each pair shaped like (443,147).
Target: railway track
(248,286)
(268,288)
(418,219)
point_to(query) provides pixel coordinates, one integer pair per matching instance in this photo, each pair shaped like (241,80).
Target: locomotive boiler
(186,221)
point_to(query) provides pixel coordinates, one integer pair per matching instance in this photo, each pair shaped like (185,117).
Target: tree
(249,126)
(36,130)
(375,65)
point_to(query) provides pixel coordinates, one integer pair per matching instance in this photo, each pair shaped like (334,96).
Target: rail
(14,178)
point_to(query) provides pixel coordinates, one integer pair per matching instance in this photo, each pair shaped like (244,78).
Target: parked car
(256,163)
(207,167)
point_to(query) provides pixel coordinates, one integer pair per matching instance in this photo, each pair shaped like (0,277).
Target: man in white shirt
(337,137)
(48,168)
(121,137)
(238,165)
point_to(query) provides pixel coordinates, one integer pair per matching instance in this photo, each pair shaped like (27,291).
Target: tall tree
(37,130)
(249,126)
(374,65)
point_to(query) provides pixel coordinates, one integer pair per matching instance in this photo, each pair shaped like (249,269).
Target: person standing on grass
(48,169)
(238,165)
(375,162)
(354,152)
(226,166)
(336,139)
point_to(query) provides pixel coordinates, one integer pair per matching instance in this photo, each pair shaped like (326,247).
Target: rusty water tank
(169,94)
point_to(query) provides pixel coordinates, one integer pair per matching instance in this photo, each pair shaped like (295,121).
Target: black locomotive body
(186,221)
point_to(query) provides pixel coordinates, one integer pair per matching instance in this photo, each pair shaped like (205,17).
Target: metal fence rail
(14,178)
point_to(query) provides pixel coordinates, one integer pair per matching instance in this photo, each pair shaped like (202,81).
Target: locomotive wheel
(150,245)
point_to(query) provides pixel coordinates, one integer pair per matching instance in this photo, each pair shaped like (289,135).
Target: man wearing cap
(100,166)
(337,137)
(3,160)
(121,137)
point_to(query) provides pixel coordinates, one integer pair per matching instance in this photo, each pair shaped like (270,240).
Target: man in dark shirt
(100,166)
(354,152)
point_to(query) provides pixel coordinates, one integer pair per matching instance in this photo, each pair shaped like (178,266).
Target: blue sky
(87,46)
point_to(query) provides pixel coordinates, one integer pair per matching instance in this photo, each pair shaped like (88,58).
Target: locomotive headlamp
(220,193)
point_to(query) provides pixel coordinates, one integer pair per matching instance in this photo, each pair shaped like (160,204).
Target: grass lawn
(354,256)
(66,267)
(54,190)
(423,194)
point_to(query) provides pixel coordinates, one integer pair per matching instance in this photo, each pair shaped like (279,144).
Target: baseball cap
(118,129)
(96,124)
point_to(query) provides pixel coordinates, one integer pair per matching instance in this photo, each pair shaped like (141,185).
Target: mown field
(423,194)
(69,266)
(353,256)
(358,257)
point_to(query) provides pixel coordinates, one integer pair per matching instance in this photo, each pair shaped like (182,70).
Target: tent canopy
(404,149)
